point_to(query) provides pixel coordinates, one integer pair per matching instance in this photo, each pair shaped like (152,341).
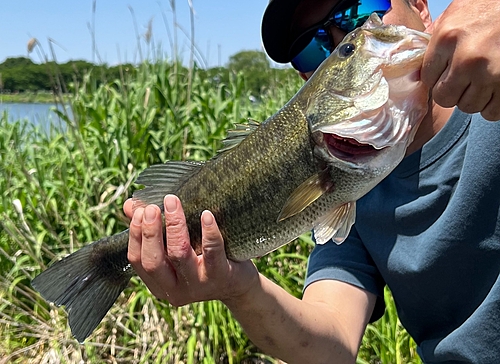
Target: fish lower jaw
(348,149)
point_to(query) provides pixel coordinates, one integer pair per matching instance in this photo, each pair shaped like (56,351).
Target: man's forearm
(290,329)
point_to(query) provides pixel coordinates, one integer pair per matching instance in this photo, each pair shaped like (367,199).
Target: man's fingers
(448,81)
(152,240)
(176,273)
(474,99)
(128,208)
(435,58)
(135,240)
(461,68)
(179,250)
(135,253)
(161,275)
(214,256)
(433,66)
(438,72)
(491,111)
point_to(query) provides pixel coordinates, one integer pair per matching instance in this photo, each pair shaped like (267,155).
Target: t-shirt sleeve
(348,262)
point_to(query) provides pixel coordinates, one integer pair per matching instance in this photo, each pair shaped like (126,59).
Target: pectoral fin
(304,195)
(336,224)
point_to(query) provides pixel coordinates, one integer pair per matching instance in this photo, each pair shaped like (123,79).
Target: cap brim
(275,30)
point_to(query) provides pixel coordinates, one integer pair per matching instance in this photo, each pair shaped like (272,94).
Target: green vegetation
(22,80)
(64,189)
(28,97)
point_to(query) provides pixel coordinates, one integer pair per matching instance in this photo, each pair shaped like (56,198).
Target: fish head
(366,100)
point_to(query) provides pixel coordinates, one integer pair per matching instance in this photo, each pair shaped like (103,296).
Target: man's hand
(462,63)
(175,272)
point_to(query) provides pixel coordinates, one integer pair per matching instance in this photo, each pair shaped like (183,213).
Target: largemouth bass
(302,169)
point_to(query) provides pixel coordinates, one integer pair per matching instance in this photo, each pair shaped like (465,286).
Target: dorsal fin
(236,135)
(162,179)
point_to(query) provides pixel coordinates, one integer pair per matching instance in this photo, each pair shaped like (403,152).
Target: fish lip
(413,46)
(400,56)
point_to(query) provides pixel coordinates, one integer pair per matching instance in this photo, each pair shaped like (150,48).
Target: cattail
(31,44)
(19,209)
(149,32)
(146,97)
(18,206)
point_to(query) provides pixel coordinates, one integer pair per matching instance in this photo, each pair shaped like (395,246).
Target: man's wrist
(245,299)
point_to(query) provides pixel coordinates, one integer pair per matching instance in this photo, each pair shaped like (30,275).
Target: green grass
(66,188)
(28,97)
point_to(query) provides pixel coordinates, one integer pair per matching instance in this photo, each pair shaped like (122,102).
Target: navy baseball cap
(275,30)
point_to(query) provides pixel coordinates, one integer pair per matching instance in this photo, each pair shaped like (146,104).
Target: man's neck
(432,123)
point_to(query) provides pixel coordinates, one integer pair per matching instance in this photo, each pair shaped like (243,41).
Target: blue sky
(222,28)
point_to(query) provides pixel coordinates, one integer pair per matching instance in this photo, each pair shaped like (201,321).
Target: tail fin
(88,282)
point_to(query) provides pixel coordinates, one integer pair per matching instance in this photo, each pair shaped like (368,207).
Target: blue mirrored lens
(354,16)
(346,18)
(314,53)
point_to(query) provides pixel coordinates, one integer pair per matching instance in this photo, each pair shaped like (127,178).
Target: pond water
(36,113)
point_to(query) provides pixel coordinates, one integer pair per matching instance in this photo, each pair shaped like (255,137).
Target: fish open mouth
(347,148)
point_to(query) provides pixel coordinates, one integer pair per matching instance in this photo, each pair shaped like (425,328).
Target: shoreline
(28,98)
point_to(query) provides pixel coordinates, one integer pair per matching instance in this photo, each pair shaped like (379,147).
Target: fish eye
(346,49)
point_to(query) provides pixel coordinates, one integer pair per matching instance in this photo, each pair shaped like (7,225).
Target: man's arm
(326,326)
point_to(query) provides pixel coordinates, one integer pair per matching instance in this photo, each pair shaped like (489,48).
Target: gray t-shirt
(431,232)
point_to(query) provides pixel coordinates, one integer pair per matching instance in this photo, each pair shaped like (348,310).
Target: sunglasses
(315,44)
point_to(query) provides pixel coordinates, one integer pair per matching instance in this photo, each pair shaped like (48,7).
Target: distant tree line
(21,74)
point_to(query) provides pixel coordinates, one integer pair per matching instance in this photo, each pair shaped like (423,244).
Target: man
(430,230)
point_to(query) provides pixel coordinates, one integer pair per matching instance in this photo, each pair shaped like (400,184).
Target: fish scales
(302,169)
(252,184)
